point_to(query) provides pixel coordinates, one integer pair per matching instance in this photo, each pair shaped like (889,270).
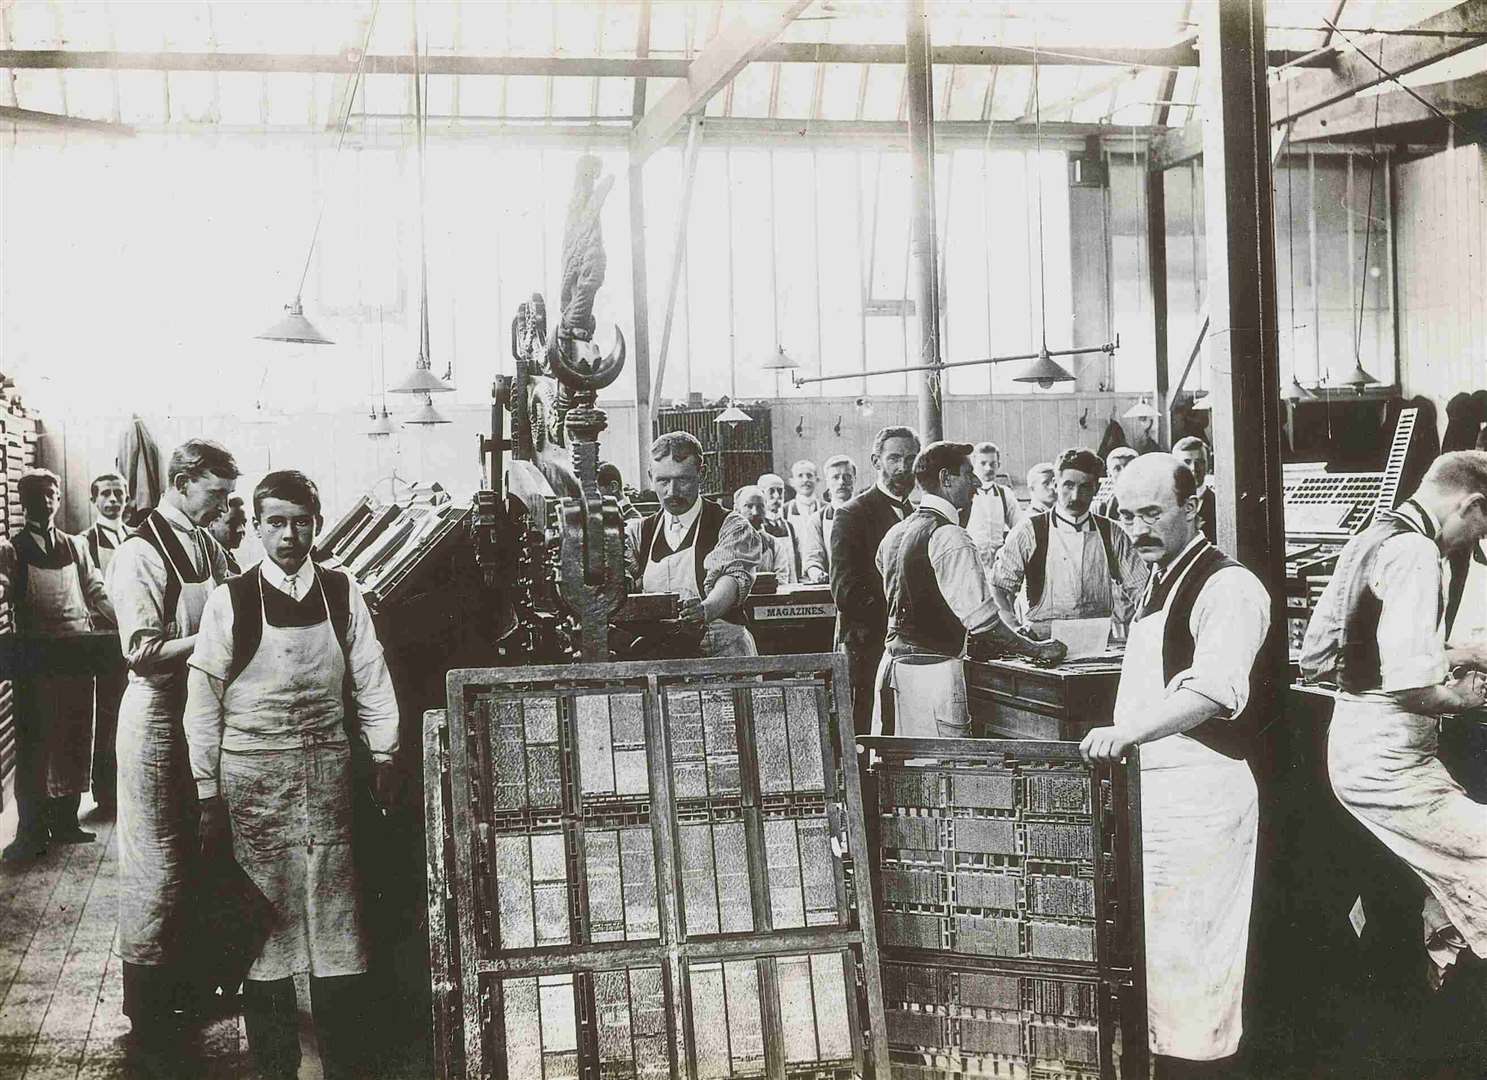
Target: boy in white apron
(159,581)
(109,493)
(696,550)
(995,512)
(57,593)
(268,730)
(1185,681)
(1074,564)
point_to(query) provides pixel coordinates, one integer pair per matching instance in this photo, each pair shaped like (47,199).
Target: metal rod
(689,171)
(1192,357)
(918,75)
(1108,348)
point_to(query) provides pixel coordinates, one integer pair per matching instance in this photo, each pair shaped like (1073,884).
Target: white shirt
(303,578)
(897,508)
(1409,577)
(994,514)
(676,528)
(957,567)
(115,529)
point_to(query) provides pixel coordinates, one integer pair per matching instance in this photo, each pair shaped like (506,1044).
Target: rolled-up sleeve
(1229,622)
(376,703)
(136,587)
(957,566)
(1011,562)
(1412,641)
(633,565)
(203,718)
(738,553)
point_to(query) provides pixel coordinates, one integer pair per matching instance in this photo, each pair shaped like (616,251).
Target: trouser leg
(272,1018)
(62,818)
(346,1041)
(30,780)
(109,691)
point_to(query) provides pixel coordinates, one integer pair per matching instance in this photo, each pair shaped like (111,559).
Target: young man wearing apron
(57,593)
(1185,681)
(995,512)
(696,550)
(1075,565)
(815,530)
(1378,633)
(266,721)
(159,581)
(109,493)
(937,594)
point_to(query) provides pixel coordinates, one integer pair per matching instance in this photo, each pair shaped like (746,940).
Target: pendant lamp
(1294,392)
(381,426)
(1358,379)
(1142,410)
(1044,371)
(780,360)
(295,327)
(427,415)
(734,415)
(1202,402)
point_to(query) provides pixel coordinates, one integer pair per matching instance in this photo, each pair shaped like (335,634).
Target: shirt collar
(304,577)
(38,529)
(944,507)
(1183,557)
(113,528)
(175,515)
(1070,524)
(1418,514)
(890,495)
(686,519)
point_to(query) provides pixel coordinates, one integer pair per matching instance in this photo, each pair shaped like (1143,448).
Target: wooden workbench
(1014,699)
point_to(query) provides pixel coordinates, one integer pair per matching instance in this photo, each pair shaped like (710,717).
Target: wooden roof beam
(713,68)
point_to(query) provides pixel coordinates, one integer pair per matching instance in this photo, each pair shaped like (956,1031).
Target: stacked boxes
(1009,898)
(19,434)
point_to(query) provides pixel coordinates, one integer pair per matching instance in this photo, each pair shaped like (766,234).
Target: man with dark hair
(815,530)
(1075,565)
(159,582)
(229,530)
(995,512)
(695,549)
(1185,684)
(268,731)
(108,492)
(1379,633)
(856,585)
(937,594)
(57,593)
(1193,452)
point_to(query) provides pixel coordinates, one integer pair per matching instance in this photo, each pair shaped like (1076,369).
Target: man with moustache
(1185,681)
(815,531)
(281,652)
(856,585)
(1075,565)
(782,529)
(229,530)
(108,493)
(803,479)
(995,512)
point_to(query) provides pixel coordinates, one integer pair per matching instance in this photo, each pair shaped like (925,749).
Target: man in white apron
(696,550)
(937,594)
(815,530)
(783,529)
(804,479)
(1378,633)
(57,593)
(1074,564)
(159,581)
(267,726)
(995,512)
(109,493)
(1185,682)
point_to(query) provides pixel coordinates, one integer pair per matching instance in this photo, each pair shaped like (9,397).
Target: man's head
(1078,478)
(944,469)
(201,474)
(1040,485)
(894,450)
(40,492)
(676,471)
(286,514)
(986,459)
(1158,506)
(231,527)
(1455,491)
(748,503)
(108,492)
(1193,452)
(841,478)
(773,487)
(610,480)
(803,478)
(1117,460)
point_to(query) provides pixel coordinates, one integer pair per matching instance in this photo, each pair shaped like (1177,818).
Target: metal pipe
(918,75)
(1108,348)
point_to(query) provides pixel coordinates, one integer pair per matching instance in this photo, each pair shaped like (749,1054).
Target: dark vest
(702,539)
(1342,639)
(100,540)
(1233,737)
(1037,565)
(28,554)
(331,598)
(917,612)
(161,535)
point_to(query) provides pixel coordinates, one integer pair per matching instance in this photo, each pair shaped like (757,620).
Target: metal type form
(1008,887)
(643,870)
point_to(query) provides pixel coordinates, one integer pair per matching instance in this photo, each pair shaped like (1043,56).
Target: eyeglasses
(1150,515)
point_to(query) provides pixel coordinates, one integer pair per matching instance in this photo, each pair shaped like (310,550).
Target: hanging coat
(139,460)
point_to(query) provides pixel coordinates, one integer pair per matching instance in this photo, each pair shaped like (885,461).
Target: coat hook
(1084,419)
(800,427)
(837,427)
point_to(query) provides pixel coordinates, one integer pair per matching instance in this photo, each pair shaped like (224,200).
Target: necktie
(293,584)
(905,508)
(1150,603)
(674,533)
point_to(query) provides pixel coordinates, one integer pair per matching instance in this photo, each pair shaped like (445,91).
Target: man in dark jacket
(856,585)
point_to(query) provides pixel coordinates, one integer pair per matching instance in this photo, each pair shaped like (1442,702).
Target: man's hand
(384,784)
(815,576)
(215,829)
(1103,745)
(690,610)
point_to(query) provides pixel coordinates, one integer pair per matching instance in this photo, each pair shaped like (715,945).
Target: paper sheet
(1084,637)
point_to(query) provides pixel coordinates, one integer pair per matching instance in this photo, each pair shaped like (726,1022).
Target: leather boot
(999,642)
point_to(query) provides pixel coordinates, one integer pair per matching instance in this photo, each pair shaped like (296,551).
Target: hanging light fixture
(780,360)
(1294,392)
(1201,402)
(1142,410)
(734,415)
(427,415)
(1045,371)
(294,327)
(381,425)
(421,380)
(1358,380)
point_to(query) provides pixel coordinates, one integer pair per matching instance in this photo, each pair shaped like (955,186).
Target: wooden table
(1014,699)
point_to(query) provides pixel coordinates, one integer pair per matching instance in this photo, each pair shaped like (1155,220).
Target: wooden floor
(60,986)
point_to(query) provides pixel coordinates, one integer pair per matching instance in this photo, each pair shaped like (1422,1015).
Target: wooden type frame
(853,937)
(1120,950)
